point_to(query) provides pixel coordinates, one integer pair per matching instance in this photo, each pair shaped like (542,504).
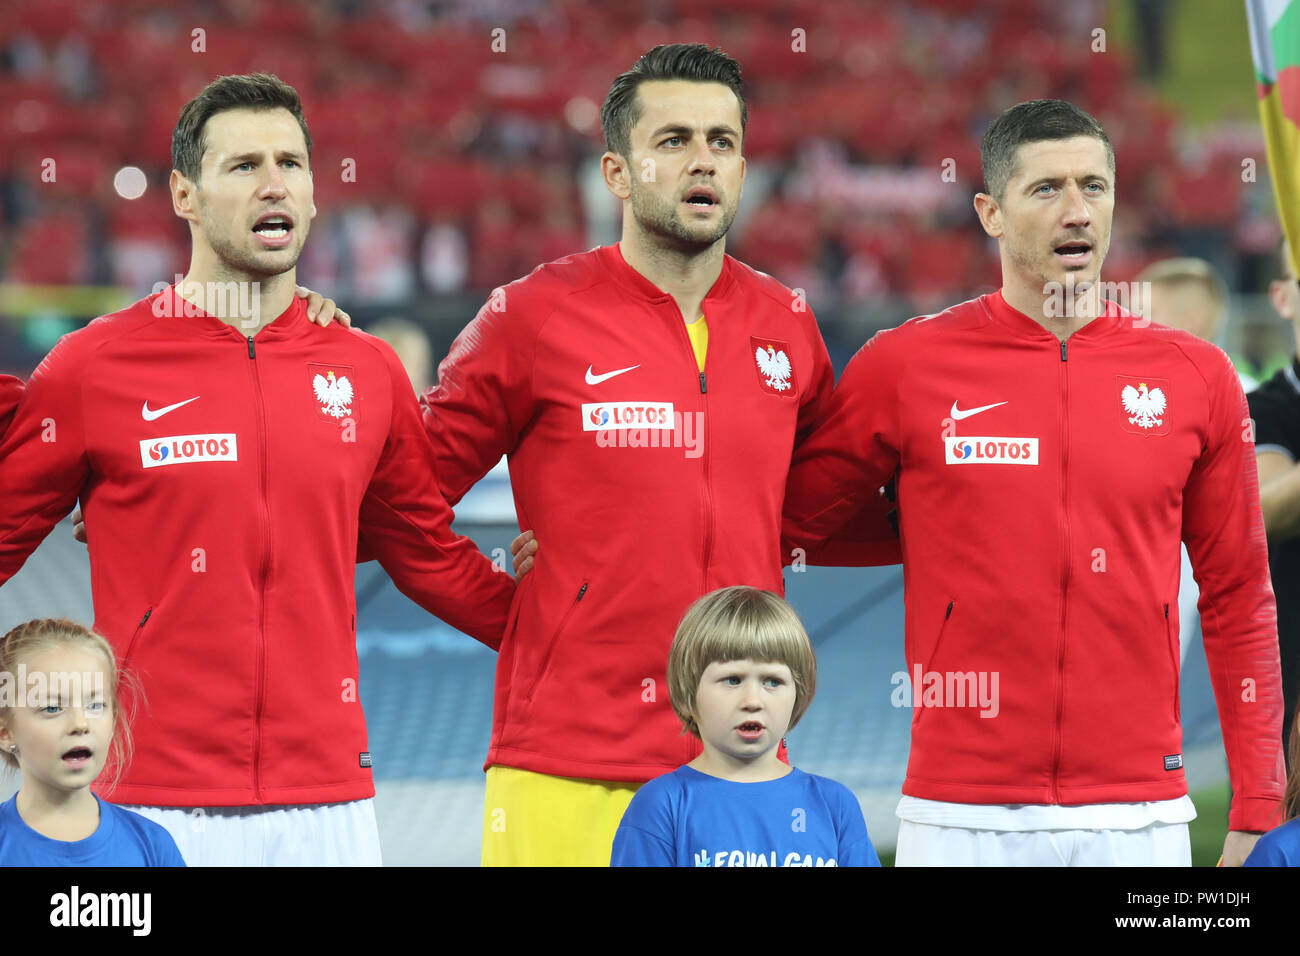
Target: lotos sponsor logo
(185,449)
(990,451)
(607,416)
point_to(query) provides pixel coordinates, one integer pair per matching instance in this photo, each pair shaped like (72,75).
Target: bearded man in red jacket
(648,396)
(227,453)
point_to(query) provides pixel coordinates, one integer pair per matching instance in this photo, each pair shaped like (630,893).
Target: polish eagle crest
(1144,406)
(775,367)
(335,394)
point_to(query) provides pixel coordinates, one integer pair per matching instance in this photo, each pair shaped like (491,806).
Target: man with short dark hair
(1050,452)
(226,454)
(648,395)
(648,451)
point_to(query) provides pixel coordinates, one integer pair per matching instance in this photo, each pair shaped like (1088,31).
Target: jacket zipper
(689,743)
(934,654)
(555,639)
(704,453)
(708,506)
(1065,573)
(265,571)
(139,629)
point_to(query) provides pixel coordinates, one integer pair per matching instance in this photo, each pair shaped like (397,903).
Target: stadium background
(456,145)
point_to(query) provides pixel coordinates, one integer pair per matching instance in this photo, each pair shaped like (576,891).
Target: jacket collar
(170,305)
(1025,327)
(643,288)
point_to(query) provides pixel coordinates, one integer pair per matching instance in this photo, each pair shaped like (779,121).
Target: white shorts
(322,834)
(1160,844)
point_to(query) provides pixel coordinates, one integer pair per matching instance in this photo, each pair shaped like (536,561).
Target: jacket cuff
(1257,814)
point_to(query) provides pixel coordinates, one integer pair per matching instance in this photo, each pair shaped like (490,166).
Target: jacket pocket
(544,665)
(135,637)
(934,656)
(1171,638)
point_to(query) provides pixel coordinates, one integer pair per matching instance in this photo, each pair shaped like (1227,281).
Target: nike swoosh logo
(597,379)
(959,414)
(149,414)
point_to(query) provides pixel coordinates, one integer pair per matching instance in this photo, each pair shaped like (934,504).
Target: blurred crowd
(456,143)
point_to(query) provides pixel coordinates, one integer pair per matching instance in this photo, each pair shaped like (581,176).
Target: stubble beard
(1045,271)
(237,262)
(663,220)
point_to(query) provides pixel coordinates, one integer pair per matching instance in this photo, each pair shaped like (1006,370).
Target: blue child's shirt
(688,818)
(1278,847)
(123,838)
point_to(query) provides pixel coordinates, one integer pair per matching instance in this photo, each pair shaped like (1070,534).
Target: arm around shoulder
(407,522)
(484,396)
(838,471)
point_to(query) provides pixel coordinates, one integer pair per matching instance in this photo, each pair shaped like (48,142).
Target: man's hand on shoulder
(322,310)
(78,526)
(522,550)
(1238,846)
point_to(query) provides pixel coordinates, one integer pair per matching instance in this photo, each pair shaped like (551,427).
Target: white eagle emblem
(1144,407)
(334,394)
(775,367)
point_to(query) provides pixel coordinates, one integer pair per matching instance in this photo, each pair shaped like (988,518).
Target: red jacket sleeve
(43,463)
(866,537)
(484,397)
(407,522)
(11,392)
(835,477)
(482,401)
(1224,532)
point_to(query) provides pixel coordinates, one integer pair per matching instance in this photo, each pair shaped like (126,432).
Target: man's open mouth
(1076,250)
(273,226)
(701,196)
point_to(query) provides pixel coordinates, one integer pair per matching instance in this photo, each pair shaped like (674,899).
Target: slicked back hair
(672,61)
(1031,122)
(258,91)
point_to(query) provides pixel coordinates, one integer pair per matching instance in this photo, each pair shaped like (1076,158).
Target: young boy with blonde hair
(741,672)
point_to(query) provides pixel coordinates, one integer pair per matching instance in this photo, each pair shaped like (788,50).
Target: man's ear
(990,213)
(183,201)
(1279,295)
(614,170)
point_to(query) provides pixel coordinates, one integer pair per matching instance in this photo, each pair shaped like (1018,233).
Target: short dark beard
(664,221)
(240,262)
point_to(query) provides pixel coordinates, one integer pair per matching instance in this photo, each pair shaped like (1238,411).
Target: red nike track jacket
(1043,489)
(647,484)
(222,480)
